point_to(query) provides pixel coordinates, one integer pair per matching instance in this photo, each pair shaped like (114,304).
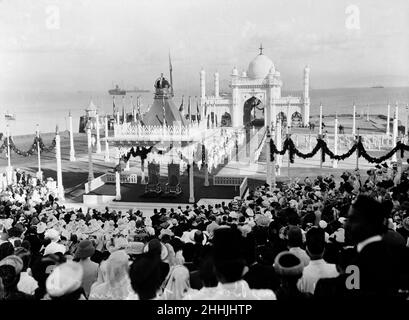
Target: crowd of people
(312,239)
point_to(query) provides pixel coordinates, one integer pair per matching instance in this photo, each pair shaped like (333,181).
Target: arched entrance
(226,120)
(253,113)
(296,119)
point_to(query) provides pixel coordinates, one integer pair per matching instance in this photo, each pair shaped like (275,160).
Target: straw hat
(64,279)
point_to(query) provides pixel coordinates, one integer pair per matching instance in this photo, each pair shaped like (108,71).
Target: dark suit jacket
(383,269)
(262,276)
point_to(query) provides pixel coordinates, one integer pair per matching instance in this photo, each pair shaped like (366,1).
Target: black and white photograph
(223,150)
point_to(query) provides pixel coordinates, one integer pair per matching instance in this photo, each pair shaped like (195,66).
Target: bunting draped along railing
(289,146)
(30,151)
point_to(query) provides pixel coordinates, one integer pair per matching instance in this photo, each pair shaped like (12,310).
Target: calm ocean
(49,109)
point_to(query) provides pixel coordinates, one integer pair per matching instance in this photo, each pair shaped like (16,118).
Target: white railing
(124,178)
(243,187)
(158,133)
(370,141)
(227,181)
(261,144)
(95,183)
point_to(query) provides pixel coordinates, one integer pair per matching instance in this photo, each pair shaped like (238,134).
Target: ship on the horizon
(377,87)
(117,91)
(136,89)
(9,116)
(121,92)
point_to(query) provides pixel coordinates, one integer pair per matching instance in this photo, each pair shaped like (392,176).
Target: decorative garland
(43,148)
(137,152)
(322,145)
(31,150)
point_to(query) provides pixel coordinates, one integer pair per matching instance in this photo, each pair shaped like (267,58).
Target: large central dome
(259,67)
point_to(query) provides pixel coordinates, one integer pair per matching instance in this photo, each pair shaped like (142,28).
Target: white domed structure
(259,67)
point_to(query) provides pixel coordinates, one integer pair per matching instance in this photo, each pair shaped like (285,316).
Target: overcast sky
(89,44)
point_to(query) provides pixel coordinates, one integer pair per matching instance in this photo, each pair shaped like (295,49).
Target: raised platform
(136,192)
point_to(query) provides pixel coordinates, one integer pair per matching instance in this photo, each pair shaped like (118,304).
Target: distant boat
(377,87)
(136,89)
(10,116)
(117,91)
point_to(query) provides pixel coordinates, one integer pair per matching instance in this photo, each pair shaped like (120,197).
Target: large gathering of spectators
(312,239)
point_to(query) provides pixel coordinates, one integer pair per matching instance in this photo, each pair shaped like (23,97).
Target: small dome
(260,67)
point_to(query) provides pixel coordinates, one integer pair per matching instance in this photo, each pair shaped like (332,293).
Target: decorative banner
(322,145)
(31,150)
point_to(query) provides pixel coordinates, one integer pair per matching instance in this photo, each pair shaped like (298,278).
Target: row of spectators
(316,238)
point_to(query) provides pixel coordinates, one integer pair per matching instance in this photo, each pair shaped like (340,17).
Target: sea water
(49,109)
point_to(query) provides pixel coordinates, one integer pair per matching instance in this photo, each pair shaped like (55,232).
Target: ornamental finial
(261,48)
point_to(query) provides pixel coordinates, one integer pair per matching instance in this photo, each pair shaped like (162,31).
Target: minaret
(202,84)
(216,84)
(306,95)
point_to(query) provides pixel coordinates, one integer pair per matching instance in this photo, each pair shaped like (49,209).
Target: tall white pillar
(406,120)
(60,187)
(288,118)
(395,131)
(273,164)
(98,134)
(106,158)
(39,172)
(335,162)
(9,169)
(279,143)
(268,160)
(90,164)
(117,118)
(202,84)
(320,129)
(388,120)
(306,115)
(117,186)
(128,165)
(354,120)
(206,173)
(143,171)
(72,150)
(216,84)
(191,182)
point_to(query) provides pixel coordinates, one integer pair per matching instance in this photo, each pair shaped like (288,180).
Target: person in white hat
(64,283)
(53,247)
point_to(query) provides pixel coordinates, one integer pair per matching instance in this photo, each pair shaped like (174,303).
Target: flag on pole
(189,110)
(123,109)
(139,109)
(113,105)
(197,111)
(133,109)
(171,78)
(181,105)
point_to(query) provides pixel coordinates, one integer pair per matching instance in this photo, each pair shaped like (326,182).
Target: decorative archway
(296,118)
(226,120)
(253,112)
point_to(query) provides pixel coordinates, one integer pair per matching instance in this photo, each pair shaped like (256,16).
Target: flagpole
(320,129)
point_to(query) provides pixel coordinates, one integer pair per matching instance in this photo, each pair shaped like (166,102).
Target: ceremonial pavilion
(254,90)
(167,143)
